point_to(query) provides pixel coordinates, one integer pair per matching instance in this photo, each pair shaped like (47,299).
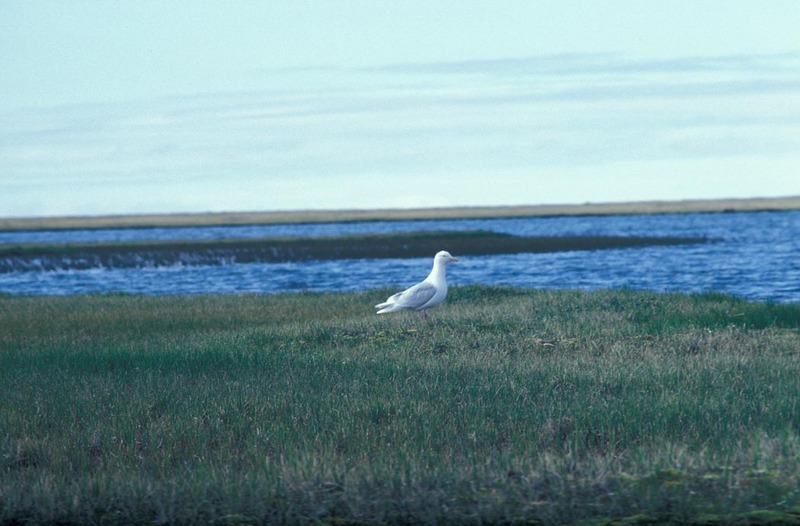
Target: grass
(510,406)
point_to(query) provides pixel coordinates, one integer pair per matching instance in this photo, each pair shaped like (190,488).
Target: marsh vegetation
(157,253)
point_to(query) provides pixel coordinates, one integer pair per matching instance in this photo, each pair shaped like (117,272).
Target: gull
(424,295)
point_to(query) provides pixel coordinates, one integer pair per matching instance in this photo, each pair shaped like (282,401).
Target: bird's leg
(424,315)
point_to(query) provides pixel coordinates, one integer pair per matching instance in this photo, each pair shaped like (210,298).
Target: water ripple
(756,257)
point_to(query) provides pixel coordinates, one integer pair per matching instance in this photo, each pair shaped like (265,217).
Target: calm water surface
(754,256)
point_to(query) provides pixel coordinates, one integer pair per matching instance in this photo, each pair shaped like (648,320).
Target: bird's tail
(386,306)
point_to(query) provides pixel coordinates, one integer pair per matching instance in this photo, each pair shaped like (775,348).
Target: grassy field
(405,214)
(509,407)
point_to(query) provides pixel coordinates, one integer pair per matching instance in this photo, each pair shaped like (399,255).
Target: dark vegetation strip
(276,250)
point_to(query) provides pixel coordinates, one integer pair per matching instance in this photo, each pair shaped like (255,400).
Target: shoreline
(397,214)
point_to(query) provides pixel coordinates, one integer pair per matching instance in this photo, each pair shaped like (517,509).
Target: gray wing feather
(416,296)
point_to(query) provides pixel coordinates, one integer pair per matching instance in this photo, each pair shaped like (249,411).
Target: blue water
(755,256)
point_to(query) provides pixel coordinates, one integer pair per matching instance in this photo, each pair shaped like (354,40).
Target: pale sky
(154,107)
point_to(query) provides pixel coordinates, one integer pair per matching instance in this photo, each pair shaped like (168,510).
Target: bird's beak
(453,259)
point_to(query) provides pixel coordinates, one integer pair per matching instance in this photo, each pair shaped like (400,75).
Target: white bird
(422,296)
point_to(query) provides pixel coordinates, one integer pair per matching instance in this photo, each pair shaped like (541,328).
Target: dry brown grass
(322,216)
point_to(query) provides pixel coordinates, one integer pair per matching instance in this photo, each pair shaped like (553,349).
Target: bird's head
(444,257)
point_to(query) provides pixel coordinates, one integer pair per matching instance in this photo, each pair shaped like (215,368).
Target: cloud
(570,64)
(401,124)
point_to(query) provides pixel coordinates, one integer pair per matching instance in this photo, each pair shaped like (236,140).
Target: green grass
(510,406)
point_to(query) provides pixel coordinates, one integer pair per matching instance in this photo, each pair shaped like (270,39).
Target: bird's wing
(389,301)
(416,296)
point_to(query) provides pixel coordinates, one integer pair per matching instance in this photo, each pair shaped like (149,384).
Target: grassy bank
(374,246)
(404,214)
(536,407)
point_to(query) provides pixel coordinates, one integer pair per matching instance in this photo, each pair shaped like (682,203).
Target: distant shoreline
(399,214)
